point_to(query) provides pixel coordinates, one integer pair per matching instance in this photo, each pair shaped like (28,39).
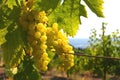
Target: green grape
(37,35)
(45,19)
(39,26)
(55,43)
(14,70)
(42,37)
(55,27)
(43,46)
(42,17)
(60,43)
(45,55)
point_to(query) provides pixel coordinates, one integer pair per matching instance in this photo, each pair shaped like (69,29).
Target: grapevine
(40,36)
(27,37)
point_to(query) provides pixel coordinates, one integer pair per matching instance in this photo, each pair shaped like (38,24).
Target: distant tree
(107,46)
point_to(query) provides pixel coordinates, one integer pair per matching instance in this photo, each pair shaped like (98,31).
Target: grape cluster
(59,42)
(41,38)
(34,23)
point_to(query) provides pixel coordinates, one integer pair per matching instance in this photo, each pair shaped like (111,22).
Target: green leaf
(3,29)
(67,16)
(27,71)
(95,6)
(3,32)
(83,11)
(34,75)
(14,14)
(13,47)
(7,17)
(11,34)
(13,3)
(46,5)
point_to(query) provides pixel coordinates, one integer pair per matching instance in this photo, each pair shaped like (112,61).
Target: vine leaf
(12,3)
(3,29)
(83,11)
(14,53)
(11,34)
(95,6)
(7,17)
(13,46)
(27,70)
(46,5)
(3,32)
(68,15)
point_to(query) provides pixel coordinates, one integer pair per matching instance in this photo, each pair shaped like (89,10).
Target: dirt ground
(57,75)
(52,75)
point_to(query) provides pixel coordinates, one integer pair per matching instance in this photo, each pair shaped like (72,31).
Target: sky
(112,18)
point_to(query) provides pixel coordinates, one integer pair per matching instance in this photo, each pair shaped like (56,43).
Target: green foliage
(3,29)
(11,36)
(46,5)
(105,45)
(55,61)
(52,62)
(27,70)
(2,35)
(83,11)
(12,54)
(68,16)
(12,3)
(95,6)
(79,62)
(8,19)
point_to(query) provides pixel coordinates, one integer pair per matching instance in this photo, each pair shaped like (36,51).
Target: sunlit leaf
(68,16)
(46,5)
(3,29)
(12,3)
(3,32)
(96,6)
(13,46)
(7,17)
